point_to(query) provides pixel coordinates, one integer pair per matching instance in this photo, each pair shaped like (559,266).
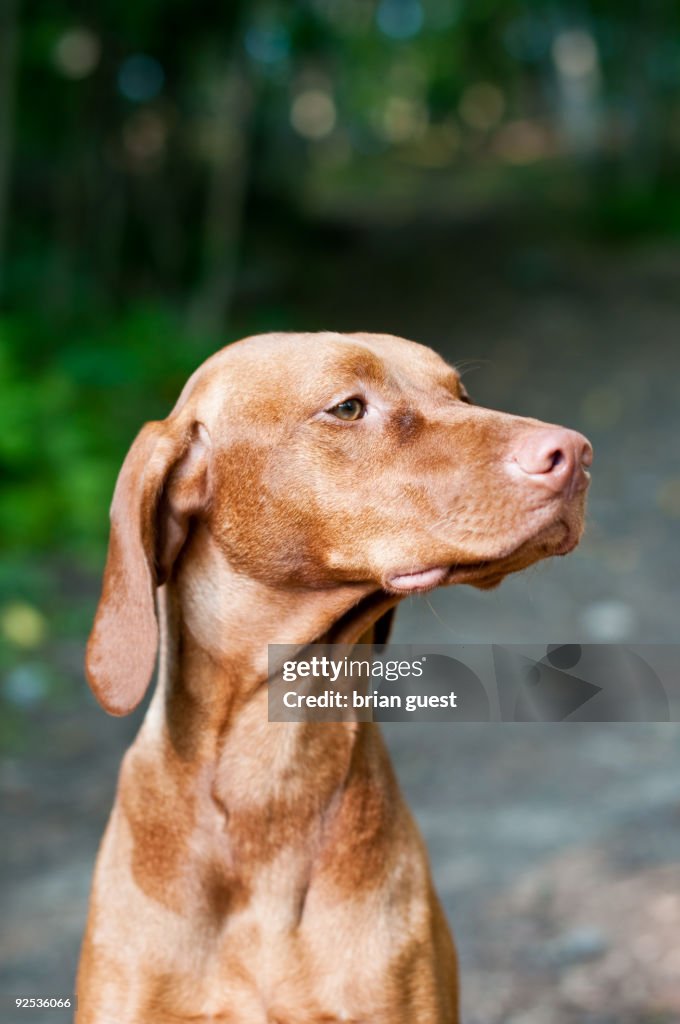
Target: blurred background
(498,180)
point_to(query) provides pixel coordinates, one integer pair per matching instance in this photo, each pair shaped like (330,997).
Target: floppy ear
(162,483)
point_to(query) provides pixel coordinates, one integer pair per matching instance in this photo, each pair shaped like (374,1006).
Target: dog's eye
(351,409)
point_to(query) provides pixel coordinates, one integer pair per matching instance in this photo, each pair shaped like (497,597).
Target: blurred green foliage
(143,142)
(71,400)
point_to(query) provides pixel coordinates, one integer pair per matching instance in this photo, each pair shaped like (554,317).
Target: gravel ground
(556,848)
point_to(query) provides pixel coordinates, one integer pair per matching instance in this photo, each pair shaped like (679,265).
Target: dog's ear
(162,484)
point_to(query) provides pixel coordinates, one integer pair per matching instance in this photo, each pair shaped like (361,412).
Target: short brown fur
(264,873)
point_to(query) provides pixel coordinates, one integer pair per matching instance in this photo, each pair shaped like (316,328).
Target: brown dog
(302,485)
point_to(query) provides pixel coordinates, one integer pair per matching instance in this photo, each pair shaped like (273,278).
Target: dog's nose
(555,457)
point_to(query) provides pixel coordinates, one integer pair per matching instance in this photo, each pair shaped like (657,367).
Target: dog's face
(326,461)
(361,459)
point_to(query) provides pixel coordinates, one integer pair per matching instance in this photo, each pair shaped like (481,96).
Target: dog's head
(325,461)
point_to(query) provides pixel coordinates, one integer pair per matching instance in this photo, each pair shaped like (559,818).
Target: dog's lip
(428,579)
(567,545)
(423,579)
(499,563)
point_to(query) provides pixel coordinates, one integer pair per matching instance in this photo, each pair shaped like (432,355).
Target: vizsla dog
(258,872)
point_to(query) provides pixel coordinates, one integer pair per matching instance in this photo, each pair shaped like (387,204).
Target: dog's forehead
(273,366)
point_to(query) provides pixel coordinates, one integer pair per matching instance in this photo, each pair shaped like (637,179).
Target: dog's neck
(250,789)
(232,618)
(210,708)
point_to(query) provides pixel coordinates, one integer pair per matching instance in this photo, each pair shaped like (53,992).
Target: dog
(302,486)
